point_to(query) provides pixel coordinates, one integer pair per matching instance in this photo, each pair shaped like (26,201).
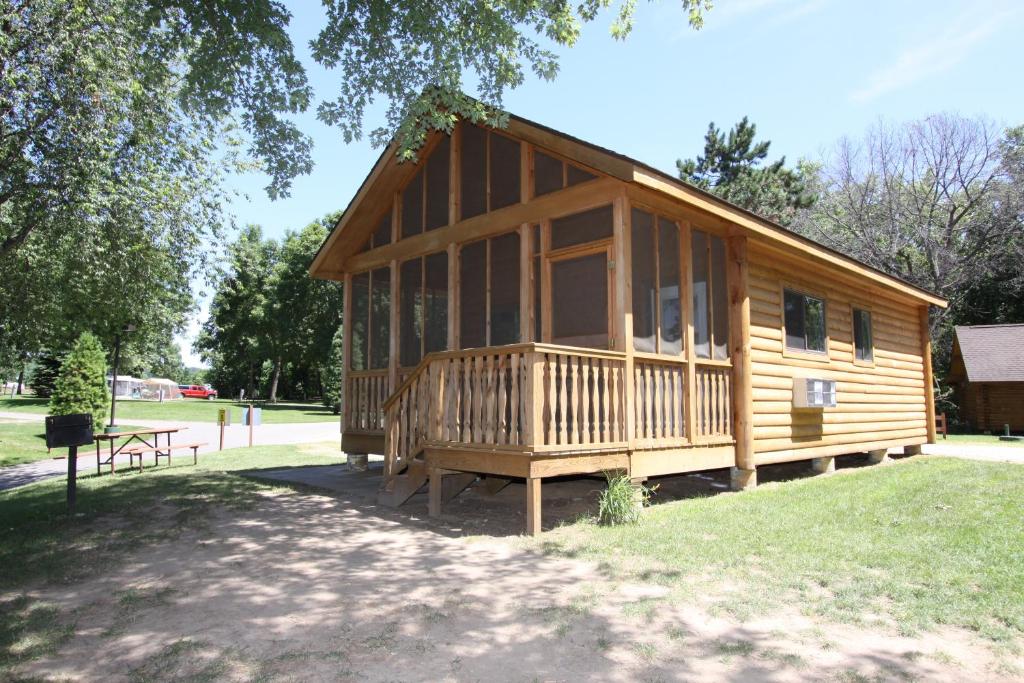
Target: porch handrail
(522,347)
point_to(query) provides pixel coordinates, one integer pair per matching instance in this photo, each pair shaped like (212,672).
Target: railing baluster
(515,433)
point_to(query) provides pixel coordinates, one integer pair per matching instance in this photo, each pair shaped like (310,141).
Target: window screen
(505,171)
(380,318)
(504,289)
(359,322)
(701,298)
(474,171)
(437,185)
(411,312)
(473,295)
(579,228)
(412,206)
(644,274)
(671,328)
(547,173)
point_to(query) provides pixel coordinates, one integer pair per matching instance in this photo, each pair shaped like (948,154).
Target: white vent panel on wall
(814,393)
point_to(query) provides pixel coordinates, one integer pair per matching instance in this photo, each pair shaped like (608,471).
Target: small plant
(622,500)
(81,386)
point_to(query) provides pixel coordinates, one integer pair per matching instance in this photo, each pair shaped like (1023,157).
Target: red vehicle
(198,391)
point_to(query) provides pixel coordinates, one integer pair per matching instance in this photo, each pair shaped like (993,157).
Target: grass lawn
(22,442)
(188,410)
(39,541)
(923,542)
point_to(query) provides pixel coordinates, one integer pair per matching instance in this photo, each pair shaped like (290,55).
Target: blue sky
(807,72)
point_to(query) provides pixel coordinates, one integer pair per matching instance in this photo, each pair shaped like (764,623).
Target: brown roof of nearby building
(992,353)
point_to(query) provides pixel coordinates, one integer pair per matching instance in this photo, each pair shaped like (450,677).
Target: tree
(731,168)
(81,386)
(306,312)
(938,202)
(332,373)
(45,373)
(234,337)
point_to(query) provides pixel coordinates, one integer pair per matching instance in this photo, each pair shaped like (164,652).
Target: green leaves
(81,386)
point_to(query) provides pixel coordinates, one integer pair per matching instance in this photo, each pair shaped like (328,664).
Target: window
(657,309)
(551,174)
(489,292)
(425,198)
(423,307)
(863,347)
(579,228)
(370,319)
(710,303)
(804,321)
(490,171)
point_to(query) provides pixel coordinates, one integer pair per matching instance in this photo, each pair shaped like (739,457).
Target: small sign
(224,417)
(257,416)
(65,431)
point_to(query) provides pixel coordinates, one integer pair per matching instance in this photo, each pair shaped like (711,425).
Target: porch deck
(536,410)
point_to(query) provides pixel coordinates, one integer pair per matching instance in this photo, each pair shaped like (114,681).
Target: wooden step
(402,487)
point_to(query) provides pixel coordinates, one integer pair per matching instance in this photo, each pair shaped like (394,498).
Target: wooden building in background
(987,374)
(523,304)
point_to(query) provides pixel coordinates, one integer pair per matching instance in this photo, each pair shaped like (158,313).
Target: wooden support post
(358,462)
(623,307)
(392,329)
(879,456)
(346,350)
(912,450)
(823,465)
(741,480)
(739,348)
(929,382)
(533,520)
(686,295)
(525,284)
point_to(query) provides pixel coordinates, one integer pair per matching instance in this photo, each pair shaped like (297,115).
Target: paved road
(234,436)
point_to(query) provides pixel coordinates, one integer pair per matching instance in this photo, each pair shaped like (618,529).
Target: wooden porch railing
(714,402)
(517,397)
(365,394)
(546,398)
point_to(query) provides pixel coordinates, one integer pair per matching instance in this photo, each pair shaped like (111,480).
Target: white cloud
(939,52)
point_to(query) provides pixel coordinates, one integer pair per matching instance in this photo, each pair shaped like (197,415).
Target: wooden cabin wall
(990,405)
(879,405)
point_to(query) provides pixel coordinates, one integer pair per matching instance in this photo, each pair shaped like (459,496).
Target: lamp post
(112,427)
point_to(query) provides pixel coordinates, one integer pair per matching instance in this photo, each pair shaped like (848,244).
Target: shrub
(621,501)
(81,386)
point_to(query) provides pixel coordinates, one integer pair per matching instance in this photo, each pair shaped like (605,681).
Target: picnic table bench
(162,452)
(133,435)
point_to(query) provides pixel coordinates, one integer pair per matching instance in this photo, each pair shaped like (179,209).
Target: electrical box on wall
(814,393)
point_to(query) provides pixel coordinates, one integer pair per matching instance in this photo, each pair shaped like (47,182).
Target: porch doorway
(579,298)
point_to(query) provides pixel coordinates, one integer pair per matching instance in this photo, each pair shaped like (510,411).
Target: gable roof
(388,174)
(992,353)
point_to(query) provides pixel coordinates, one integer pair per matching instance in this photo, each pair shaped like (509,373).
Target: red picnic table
(133,435)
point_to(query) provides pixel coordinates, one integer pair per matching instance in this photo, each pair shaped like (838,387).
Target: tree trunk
(273,380)
(21,380)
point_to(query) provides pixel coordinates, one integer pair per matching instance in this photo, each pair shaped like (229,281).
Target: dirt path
(309,587)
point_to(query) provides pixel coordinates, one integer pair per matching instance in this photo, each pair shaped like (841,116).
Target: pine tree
(45,373)
(332,374)
(81,386)
(731,168)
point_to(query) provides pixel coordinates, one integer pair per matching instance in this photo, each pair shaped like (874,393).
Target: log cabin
(986,371)
(522,304)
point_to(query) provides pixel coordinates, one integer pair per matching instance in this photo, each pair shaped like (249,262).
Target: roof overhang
(373,200)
